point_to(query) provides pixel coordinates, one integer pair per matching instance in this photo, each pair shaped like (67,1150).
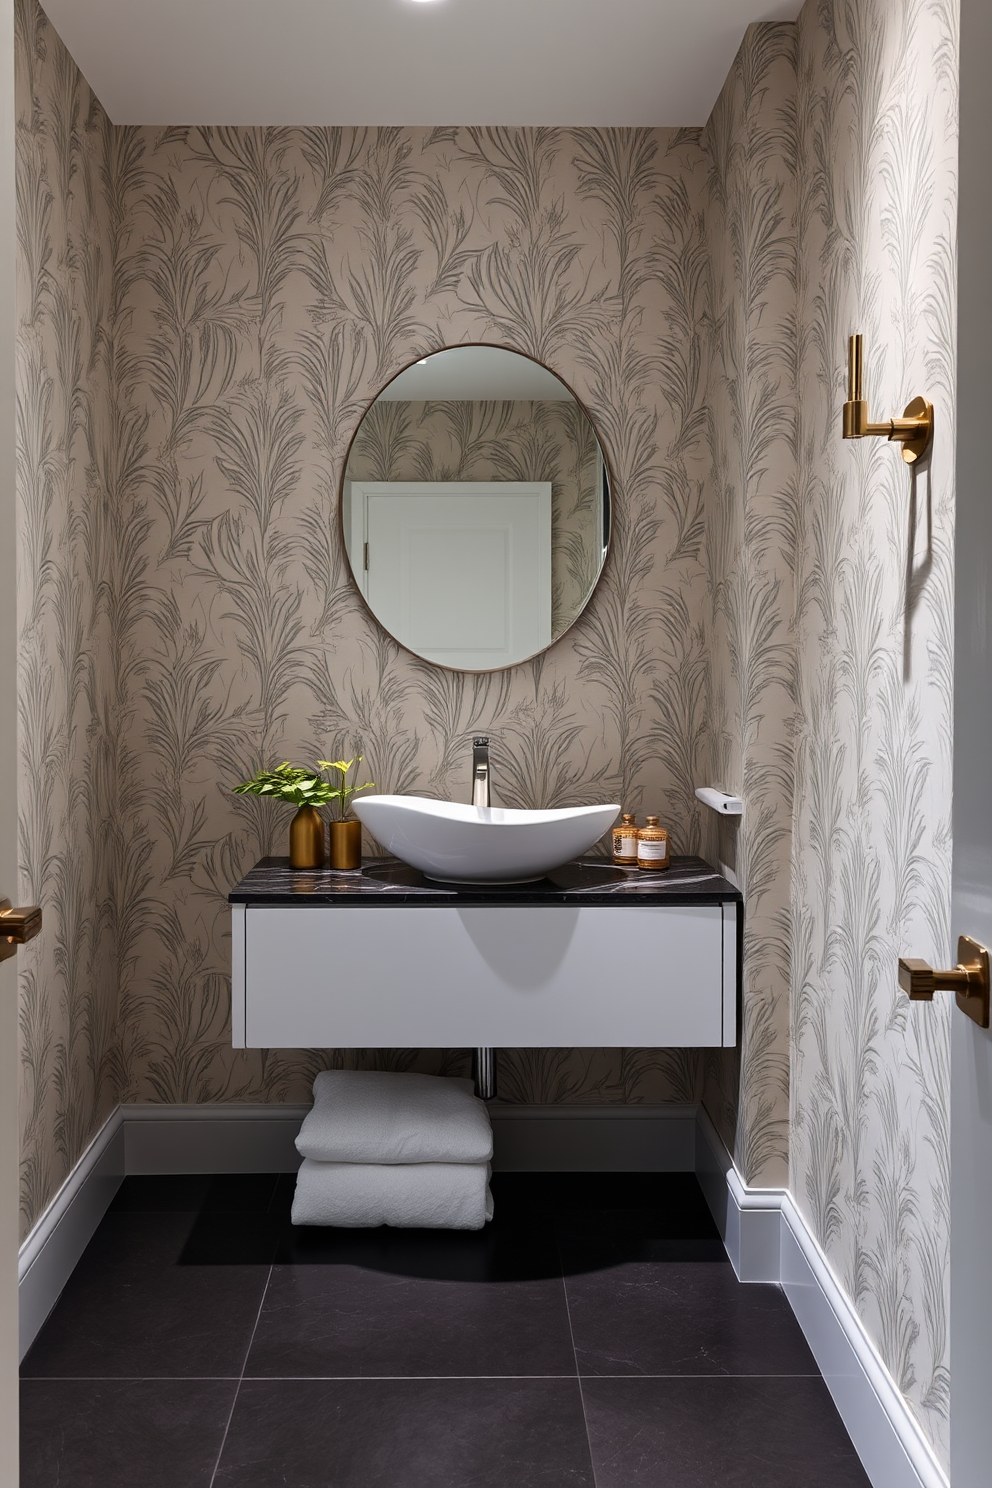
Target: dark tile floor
(594,1336)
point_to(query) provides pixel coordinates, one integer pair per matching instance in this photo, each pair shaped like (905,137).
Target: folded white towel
(434,1196)
(378,1116)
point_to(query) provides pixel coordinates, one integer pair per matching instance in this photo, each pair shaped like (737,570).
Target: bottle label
(652,852)
(625,845)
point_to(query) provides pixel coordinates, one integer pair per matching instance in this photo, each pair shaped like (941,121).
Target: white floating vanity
(382,958)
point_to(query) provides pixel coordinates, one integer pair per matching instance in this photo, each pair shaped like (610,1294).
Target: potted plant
(306,790)
(345,832)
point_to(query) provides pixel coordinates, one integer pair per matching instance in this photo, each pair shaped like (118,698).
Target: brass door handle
(969,980)
(17,927)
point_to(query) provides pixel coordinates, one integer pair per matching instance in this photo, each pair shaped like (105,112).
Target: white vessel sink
(481,844)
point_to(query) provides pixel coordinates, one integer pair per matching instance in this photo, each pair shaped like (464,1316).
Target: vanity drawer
(411,976)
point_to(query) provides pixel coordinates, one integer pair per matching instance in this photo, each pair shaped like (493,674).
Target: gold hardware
(914,431)
(17,927)
(306,839)
(345,843)
(969,980)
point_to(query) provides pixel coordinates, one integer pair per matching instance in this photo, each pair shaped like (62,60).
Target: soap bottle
(625,841)
(652,846)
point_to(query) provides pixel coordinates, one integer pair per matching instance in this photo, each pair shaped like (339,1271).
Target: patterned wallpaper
(501,441)
(276,279)
(66,613)
(874,137)
(260,286)
(205,315)
(750,652)
(832,209)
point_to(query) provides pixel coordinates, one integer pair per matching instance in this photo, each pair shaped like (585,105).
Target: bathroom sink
(454,843)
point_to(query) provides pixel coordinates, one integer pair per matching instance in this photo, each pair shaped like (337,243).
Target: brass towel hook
(914,431)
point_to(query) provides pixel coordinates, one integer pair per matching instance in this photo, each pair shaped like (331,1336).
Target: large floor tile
(643,1309)
(159,1295)
(407,1434)
(504,1251)
(352,1319)
(121,1434)
(669,1203)
(718,1433)
(199,1193)
(611,1240)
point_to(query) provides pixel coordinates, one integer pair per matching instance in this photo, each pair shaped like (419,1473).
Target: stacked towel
(431,1196)
(395,1149)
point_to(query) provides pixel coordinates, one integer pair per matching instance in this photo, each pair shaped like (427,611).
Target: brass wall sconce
(914,431)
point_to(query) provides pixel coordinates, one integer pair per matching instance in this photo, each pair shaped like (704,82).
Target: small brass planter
(306,839)
(346,844)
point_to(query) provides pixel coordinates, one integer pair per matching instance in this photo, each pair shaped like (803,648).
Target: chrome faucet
(480,771)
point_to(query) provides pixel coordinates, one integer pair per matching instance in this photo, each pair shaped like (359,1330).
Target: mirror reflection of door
(458,571)
(479,581)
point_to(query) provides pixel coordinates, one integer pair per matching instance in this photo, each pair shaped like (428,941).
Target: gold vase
(346,843)
(306,839)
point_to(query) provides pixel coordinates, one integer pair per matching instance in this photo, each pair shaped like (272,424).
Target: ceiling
(519,62)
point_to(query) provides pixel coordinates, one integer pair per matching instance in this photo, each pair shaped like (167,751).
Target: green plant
(344,792)
(289,783)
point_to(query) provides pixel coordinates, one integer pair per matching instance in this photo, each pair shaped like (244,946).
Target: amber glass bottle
(625,841)
(652,846)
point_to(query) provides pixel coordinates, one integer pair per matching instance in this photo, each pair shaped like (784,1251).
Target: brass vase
(306,839)
(346,843)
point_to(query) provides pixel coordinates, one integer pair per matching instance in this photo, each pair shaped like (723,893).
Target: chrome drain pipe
(484,1073)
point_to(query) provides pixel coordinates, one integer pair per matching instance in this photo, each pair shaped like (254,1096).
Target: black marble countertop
(388,881)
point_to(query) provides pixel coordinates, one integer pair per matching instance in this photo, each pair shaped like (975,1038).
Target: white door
(8,773)
(971,1046)
(459,571)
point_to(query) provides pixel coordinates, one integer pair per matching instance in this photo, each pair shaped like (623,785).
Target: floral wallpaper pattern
(751,235)
(873,132)
(259,288)
(831,210)
(501,441)
(204,317)
(276,278)
(66,611)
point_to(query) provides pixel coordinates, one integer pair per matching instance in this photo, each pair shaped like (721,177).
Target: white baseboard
(58,1238)
(767,1239)
(749,1219)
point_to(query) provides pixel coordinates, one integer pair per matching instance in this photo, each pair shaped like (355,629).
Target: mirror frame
(342,536)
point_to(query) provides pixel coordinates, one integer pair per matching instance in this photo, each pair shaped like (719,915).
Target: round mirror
(475,507)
